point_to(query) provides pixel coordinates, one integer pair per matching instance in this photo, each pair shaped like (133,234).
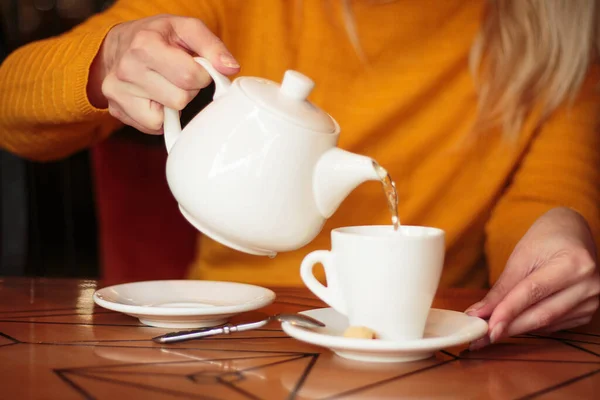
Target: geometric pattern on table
(242,366)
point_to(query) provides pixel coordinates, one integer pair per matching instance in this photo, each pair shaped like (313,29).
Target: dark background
(48,221)
(48,211)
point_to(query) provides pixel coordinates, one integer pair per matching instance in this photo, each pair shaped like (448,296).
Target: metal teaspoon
(300,320)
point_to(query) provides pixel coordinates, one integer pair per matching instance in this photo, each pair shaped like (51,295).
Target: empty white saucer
(183,303)
(444,329)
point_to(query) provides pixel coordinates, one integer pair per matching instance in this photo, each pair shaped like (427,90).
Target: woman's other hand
(550,282)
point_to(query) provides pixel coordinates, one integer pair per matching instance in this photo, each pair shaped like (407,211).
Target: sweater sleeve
(560,169)
(44,110)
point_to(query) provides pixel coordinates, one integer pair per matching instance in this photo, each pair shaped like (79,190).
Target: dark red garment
(142,234)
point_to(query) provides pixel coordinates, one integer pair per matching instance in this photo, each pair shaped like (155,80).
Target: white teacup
(379,278)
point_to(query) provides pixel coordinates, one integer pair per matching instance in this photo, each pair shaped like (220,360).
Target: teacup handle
(325,293)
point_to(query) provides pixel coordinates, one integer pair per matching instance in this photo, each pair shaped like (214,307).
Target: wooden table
(55,344)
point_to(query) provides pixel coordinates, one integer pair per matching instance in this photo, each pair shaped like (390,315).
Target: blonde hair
(529,55)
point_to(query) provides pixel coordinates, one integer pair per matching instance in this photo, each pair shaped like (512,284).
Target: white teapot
(258,169)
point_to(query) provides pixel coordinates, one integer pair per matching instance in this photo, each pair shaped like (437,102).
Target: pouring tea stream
(258,169)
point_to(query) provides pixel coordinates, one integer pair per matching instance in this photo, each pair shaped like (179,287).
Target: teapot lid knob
(296,85)
(289,100)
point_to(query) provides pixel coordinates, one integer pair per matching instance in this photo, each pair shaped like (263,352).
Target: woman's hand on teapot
(145,64)
(550,282)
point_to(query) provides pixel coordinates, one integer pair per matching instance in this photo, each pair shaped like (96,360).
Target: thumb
(507,280)
(198,39)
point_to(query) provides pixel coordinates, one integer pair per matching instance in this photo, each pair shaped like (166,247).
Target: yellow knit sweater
(407,108)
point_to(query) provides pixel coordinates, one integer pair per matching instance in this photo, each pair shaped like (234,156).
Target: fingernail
(479,344)
(497,332)
(229,61)
(474,307)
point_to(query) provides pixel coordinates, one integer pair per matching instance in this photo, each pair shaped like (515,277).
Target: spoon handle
(181,336)
(226,329)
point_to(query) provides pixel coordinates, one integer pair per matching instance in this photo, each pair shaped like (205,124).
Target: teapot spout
(337,173)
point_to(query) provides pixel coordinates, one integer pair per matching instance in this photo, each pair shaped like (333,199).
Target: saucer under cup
(443,329)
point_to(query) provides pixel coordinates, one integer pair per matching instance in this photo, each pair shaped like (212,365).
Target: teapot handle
(172,123)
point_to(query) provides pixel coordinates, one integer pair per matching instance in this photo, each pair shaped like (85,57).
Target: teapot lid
(289,101)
